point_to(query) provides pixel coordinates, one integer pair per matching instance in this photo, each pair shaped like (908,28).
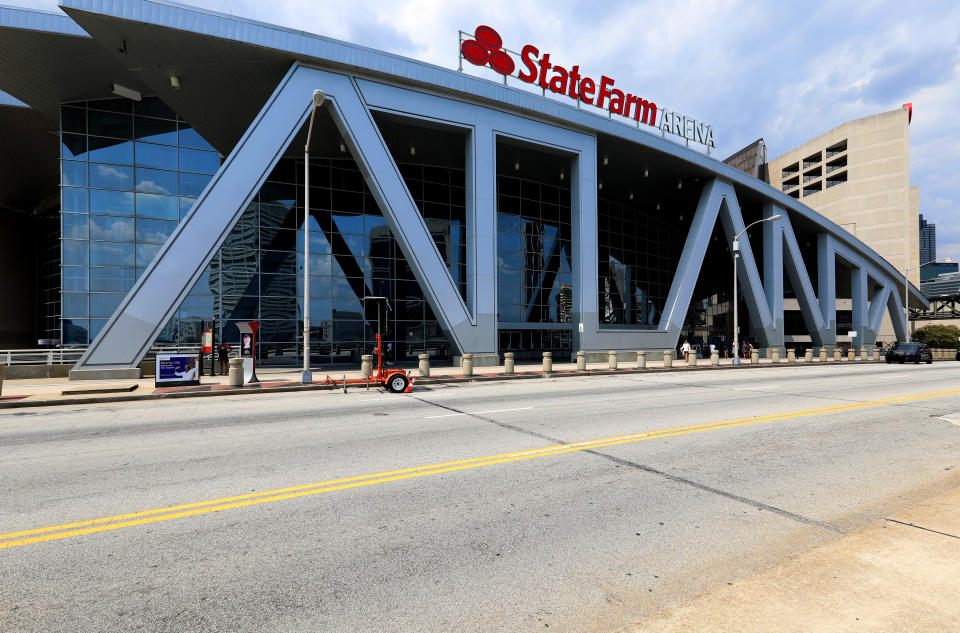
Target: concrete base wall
(116,373)
(20,372)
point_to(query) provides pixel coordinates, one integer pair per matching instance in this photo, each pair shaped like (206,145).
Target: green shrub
(938,335)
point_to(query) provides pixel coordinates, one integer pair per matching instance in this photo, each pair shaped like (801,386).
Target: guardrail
(70,355)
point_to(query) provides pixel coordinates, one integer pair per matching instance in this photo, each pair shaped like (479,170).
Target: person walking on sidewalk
(685,348)
(223,353)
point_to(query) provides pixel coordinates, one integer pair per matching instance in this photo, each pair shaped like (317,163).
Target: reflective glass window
(155,206)
(155,130)
(109,150)
(111,228)
(104,305)
(185,205)
(111,176)
(73,173)
(157,156)
(74,226)
(74,278)
(74,304)
(73,200)
(199,161)
(110,124)
(95,326)
(189,137)
(111,254)
(152,106)
(75,331)
(73,146)
(74,252)
(73,119)
(197,307)
(112,279)
(156,181)
(193,184)
(111,202)
(146,253)
(154,231)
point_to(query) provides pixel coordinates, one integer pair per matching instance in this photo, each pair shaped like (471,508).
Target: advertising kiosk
(248,350)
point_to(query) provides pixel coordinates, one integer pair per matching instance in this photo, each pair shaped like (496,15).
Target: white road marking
(450,415)
(952,418)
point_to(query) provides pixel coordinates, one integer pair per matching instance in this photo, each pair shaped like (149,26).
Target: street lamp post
(307,376)
(736,256)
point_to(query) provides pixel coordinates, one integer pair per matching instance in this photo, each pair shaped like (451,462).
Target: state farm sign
(486,49)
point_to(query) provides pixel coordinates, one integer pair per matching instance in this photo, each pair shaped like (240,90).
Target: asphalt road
(573,504)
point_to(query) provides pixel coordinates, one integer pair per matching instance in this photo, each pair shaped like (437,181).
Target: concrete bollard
(808,356)
(641,360)
(715,357)
(823,354)
(508,363)
(876,354)
(755,357)
(668,358)
(366,366)
(692,358)
(851,354)
(836,353)
(791,356)
(863,353)
(581,361)
(611,360)
(424,365)
(467,364)
(775,355)
(236,372)
(1,380)
(547,362)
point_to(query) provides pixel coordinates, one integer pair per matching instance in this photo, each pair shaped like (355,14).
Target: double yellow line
(104,524)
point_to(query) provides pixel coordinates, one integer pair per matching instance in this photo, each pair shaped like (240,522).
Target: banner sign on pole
(207,341)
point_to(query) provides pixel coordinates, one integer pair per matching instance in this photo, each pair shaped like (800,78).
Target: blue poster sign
(177,369)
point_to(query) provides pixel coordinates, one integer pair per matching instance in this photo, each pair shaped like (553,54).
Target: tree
(938,335)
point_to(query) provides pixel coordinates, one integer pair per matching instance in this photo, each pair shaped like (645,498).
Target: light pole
(307,376)
(736,256)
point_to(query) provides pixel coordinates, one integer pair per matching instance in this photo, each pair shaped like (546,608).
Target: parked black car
(909,352)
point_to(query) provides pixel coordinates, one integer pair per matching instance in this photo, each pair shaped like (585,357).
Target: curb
(439,380)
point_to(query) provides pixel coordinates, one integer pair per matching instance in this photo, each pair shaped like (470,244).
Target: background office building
(928,241)
(154,175)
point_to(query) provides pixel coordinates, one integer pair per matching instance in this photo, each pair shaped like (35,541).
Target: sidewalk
(899,575)
(61,391)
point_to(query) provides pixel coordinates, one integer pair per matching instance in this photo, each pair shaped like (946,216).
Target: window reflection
(111,176)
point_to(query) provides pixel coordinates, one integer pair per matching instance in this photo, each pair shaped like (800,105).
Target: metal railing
(70,355)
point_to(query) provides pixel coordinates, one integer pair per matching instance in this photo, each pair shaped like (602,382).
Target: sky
(786,71)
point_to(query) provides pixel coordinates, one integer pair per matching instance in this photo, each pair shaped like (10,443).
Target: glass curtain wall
(353,254)
(638,255)
(534,276)
(129,172)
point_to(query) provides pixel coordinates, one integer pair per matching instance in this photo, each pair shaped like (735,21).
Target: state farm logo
(487,49)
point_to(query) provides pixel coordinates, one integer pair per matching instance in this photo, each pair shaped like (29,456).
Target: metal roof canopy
(228,66)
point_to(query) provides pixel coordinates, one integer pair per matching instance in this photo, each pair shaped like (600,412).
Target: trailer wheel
(397,383)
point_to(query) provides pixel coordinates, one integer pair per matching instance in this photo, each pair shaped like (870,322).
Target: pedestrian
(685,348)
(713,348)
(223,353)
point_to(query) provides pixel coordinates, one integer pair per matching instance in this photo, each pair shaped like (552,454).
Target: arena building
(153,175)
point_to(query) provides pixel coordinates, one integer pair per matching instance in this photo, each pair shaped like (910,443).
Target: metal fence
(70,355)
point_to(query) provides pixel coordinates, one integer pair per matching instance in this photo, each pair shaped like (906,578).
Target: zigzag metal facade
(362,85)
